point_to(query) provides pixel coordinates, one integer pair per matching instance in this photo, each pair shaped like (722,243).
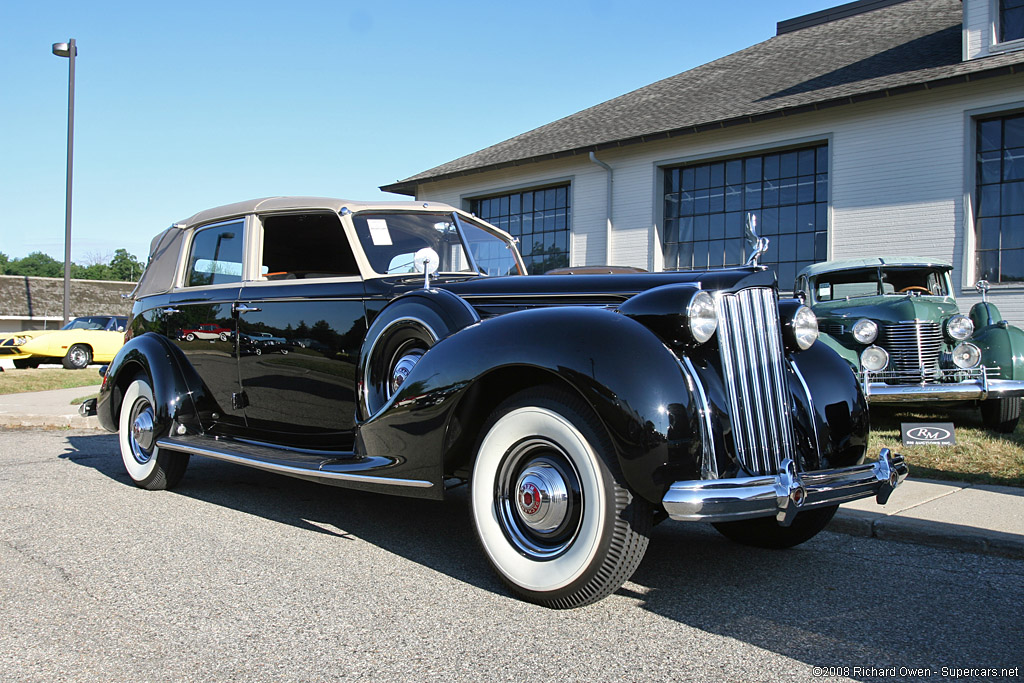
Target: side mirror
(426,261)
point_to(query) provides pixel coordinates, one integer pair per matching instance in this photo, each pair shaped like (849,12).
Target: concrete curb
(49,422)
(927,532)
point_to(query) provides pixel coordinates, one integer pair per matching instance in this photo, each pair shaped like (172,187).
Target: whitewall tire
(149,466)
(551,510)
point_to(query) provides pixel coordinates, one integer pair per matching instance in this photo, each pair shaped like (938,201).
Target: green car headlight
(865,331)
(959,327)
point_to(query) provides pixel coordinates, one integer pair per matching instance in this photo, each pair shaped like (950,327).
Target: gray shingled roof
(912,45)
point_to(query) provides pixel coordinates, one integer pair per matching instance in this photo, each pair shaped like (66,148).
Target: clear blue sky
(186,105)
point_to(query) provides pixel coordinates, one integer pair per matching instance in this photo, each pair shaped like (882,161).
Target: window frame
(254,252)
(657,241)
(972,182)
(995,44)
(189,244)
(568,182)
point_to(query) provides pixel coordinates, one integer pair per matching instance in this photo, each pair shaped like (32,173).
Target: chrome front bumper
(971,390)
(783,494)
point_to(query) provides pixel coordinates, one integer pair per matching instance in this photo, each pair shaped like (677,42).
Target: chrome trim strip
(704,409)
(880,392)
(290,470)
(785,494)
(810,404)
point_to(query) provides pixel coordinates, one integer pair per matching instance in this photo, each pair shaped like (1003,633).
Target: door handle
(170,310)
(244,308)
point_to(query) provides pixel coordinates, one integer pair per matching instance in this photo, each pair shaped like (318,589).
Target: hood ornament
(758,245)
(983,286)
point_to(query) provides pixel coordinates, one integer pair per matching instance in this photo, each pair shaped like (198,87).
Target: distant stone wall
(28,303)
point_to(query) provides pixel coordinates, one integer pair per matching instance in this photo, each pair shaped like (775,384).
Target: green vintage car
(897,324)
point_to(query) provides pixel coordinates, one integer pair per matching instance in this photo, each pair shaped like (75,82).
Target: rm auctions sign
(928,434)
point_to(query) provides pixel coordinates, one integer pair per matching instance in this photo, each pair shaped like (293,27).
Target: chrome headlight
(804,327)
(959,327)
(966,356)
(874,358)
(702,318)
(865,331)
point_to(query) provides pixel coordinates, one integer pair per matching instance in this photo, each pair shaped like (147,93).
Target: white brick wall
(899,173)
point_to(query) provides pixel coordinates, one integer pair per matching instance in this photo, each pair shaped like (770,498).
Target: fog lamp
(874,358)
(966,356)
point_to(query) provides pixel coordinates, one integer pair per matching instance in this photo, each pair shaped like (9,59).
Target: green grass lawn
(979,456)
(19,381)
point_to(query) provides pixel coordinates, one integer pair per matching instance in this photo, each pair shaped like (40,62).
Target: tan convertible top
(166,247)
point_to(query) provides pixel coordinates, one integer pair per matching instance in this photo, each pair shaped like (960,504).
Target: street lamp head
(64,49)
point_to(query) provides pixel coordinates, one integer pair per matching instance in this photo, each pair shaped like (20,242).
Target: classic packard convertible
(579,409)
(896,322)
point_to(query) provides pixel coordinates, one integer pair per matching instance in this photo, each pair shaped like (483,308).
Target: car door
(301,322)
(209,290)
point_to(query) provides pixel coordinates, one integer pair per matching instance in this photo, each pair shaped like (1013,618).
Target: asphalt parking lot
(243,575)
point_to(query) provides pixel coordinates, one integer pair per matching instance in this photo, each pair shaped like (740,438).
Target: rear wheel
(765,532)
(550,505)
(78,356)
(23,363)
(149,466)
(1001,414)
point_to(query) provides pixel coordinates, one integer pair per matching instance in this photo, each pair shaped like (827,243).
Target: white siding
(899,173)
(977,28)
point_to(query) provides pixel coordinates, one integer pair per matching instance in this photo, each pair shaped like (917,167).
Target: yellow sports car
(90,339)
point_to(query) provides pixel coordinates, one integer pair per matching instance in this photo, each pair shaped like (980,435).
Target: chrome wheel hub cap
(542,498)
(143,433)
(402,369)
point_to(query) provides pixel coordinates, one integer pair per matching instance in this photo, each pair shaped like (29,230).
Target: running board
(323,466)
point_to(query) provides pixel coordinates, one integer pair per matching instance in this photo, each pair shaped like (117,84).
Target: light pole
(68,50)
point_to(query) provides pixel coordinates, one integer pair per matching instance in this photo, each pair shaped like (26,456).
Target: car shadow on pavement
(836,600)
(436,534)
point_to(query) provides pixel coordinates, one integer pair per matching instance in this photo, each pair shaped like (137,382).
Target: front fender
(1002,346)
(175,390)
(634,384)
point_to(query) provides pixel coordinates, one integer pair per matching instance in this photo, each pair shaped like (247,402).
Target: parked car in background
(897,323)
(84,340)
(207,331)
(578,409)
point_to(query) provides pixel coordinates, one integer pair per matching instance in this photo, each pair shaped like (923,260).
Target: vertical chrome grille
(914,348)
(750,342)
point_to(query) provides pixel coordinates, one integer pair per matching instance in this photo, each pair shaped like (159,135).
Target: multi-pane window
(1011,20)
(539,219)
(785,194)
(999,224)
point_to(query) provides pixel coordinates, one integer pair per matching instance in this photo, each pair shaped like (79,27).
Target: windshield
(391,240)
(850,284)
(93,323)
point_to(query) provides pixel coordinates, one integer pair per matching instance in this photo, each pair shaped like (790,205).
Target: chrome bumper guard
(784,494)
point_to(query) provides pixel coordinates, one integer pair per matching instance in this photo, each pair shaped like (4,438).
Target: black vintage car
(580,409)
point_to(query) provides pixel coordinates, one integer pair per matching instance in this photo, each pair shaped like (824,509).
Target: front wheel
(149,466)
(550,506)
(1001,414)
(765,532)
(78,357)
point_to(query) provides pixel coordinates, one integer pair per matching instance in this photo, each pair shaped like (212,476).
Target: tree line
(122,266)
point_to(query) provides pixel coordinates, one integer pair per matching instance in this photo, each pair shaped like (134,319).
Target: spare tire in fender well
(414,321)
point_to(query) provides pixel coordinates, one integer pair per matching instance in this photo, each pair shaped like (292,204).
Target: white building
(879,127)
